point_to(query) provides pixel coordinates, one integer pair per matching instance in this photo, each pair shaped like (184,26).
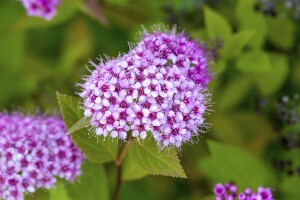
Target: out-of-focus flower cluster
(33,151)
(229,192)
(272,8)
(285,115)
(41,8)
(158,88)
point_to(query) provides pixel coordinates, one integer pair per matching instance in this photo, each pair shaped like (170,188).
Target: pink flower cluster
(229,192)
(33,151)
(159,88)
(41,8)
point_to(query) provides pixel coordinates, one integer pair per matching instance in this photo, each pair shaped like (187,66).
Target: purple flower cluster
(41,8)
(33,151)
(229,192)
(159,88)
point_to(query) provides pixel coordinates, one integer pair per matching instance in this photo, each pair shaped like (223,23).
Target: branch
(119,163)
(96,11)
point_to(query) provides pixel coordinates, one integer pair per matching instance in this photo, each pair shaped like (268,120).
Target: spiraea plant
(143,111)
(155,94)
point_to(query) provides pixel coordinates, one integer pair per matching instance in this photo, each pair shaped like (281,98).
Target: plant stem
(96,11)
(119,163)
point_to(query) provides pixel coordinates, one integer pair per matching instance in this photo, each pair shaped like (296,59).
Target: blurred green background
(257,64)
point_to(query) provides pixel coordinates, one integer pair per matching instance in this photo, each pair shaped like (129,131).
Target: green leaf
(254,61)
(76,47)
(250,20)
(210,197)
(185,6)
(40,194)
(117,2)
(142,190)
(271,82)
(219,67)
(12,57)
(59,192)
(80,124)
(131,171)
(12,41)
(281,32)
(130,15)
(199,34)
(290,188)
(228,163)
(96,150)
(217,26)
(236,43)
(235,92)
(91,185)
(226,129)
(155,162)
(243,129)
(70,109)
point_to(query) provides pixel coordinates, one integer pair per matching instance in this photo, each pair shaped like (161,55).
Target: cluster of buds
(159,88)
(270,7)
(288,115)
(34,150)
(285,115)
(287,166)
(286,110)
(229,192)
(41,8)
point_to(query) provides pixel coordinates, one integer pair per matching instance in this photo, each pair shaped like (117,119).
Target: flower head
(33,151)
(229,191)
(41,8)
(158,88)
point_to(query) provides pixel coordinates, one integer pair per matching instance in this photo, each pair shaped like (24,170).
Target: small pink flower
(219,189)
(41,8)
